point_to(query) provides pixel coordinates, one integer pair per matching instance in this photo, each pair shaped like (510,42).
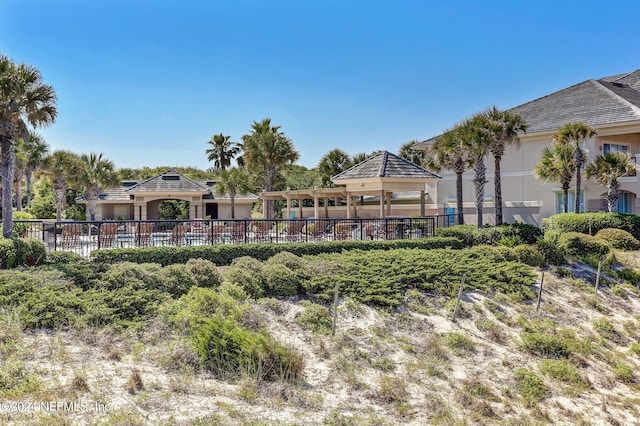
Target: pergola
(380,175)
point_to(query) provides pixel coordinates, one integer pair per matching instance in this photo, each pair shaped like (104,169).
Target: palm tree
(359,158)
(557,165)
(222,151)
(36,149)
(62,167)
(475,140)
(332,163)
(233,182)
(447,152)
(19,171)
(266,150)
(607,169)
(23,98)
(574,134)
(407,152)
(504,127)
(96,172)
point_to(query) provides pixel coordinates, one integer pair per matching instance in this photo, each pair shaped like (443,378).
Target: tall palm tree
(359,158)
(36,149)
(266,150)
(62,167)
(504,127)
(557,165)
(333,162)
(222,151)
(607,169)
(23,98)
(574,134)
(475,140)
(407,152)
(447,152)
(96,172)
(233,182)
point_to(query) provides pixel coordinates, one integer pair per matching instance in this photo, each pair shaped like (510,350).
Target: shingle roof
(170,180)
(384,164)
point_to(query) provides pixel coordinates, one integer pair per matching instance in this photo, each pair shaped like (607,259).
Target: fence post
(335,311)
(540,291)
(455,311)
(598,276)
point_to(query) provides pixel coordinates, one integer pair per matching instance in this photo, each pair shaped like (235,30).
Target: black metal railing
(83,237)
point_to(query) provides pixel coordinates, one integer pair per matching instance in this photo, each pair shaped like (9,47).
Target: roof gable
(385,165)
(171,181)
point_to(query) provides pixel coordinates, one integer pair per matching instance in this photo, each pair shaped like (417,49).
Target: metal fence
(83,237)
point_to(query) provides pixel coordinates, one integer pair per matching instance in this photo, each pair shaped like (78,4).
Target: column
(422,202)
(382,204)
(348,206)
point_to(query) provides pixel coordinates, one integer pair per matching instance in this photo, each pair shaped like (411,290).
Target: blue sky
(147,82)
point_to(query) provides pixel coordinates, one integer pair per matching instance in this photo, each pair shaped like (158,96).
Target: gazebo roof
(171,181)
(384,164)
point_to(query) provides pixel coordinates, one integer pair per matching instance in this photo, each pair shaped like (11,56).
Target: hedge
(571,222)
(578,244)
(619,238)
(518,233)
(224,254)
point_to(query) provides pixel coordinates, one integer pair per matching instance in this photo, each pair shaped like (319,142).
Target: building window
(572,202)
(624,203)
(611,147)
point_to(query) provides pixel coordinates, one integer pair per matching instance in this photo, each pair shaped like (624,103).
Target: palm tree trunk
(578,179)
(459,205)
(479,180)
(269,178)
(92,195)
(232,196)
(565,190)
(18,180)
(498,191)
(8,157)
(60,191)
(613,194)
(28,178)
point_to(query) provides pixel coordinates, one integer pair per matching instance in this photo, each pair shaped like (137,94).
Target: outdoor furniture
(71,235)
(144,234)
(238,232)
(107,235)
(319,230)
(178,235)
(216,233)
(262,229)
(342,230)
(294,230)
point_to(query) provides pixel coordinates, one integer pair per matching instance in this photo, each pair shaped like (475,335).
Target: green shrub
(467,234)
(21,224)
(563,371)
(280,280)
(193,309)
(619,238)
(231,351)
(205,273)
(577,244)
(549,247)
(8,256)
(459,343)
(529,255)
(527,233)
(316,318)
(571,222)
(119,275)
(624,373)
(247,273)
(287,259)
(54,257)
(531,387)
(545,345)
(176,280)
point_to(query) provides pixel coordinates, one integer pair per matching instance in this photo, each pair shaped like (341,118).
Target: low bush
(231,351)
(545,345)
(280,280)
(21,252)
(54,257)
(176,280)
(594,222)
(578,244)
(562,370)
(129,274)
(316,318)
(467,234)
(619,238)
(549,247)
(205,273)
(529,254)
(247,273)
(531,387)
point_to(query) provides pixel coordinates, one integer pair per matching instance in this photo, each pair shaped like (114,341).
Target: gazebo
(380,175)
